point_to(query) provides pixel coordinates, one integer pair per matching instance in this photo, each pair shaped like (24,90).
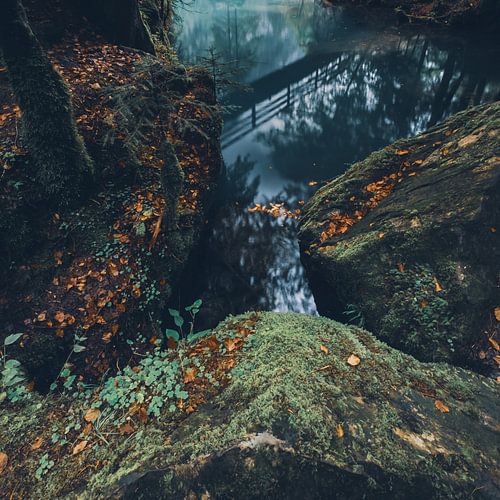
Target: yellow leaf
(340,431)
(402,152)
(441,406)
(324,349)
(41,317)
(80,447)
(353,360)
(381,235)
(3,461)
(92,415)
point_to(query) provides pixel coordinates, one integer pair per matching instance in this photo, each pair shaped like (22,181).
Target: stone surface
(406,242)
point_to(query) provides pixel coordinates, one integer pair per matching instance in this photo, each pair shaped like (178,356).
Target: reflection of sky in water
(328,88)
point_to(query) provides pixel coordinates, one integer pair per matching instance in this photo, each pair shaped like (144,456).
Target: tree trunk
(57,151)
(121,20)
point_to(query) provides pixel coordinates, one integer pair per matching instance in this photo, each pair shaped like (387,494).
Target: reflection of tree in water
(364,101)
(253,39)
(249,260)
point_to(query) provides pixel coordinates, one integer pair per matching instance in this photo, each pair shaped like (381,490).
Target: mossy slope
(407,239)
(301,418)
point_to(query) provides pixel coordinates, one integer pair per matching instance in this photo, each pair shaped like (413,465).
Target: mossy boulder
(406,241)
(310,409)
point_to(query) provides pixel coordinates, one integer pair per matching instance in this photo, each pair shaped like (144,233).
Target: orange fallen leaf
(59,316)
(441,406)
(401,267)
(232,344)
(126,429)
(41,317)
(353,360)
(324,349)
(37,443)
(80,447)
(339,431)
(92,415)
(424,303)
(190,375)
(4,459)
(381,235)
(496,359)
(494,344)
(439,288)
(402,152)
(497,313)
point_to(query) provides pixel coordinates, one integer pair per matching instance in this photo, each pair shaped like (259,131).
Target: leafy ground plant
(13,379)
(180,334)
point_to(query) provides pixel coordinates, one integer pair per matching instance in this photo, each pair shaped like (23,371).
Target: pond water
(326,87)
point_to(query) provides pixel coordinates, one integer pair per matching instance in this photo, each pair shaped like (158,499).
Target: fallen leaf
(381,235)
(402,152)
(37,443)
(401,267)
(92,415)
(441,406)
(142,415)
(324,349)
(190,375)
(497,313)
(340,431)
(439,288)
(3,461)
(126,429)
(80,447)
(353,360)
(59,316)
(494,344)
(496,359)
(424,303)
(41,317)
(232,344)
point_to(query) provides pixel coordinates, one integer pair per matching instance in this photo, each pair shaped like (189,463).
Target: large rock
(311,409)
(406,241)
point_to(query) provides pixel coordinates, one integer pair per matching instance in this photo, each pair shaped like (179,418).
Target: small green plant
(65,373)
(44,466)
(179,334)
(13,379)
(354,315)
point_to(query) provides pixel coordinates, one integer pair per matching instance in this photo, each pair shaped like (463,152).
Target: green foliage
(13,378)
(191,335)
(419,319)
(354,315)
(44,466)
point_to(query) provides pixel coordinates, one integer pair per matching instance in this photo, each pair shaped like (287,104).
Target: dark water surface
(328,87)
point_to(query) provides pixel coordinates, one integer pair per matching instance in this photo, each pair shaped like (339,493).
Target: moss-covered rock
(312,409)
(406,241)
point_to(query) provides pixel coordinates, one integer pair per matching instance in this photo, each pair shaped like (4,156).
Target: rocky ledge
(406,242)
